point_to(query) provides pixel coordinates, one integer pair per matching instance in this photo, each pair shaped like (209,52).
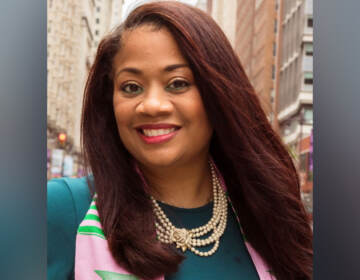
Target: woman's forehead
(146,46)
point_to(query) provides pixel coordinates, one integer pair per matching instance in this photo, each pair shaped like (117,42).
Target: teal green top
(69,200)
(231,260)
(67,203)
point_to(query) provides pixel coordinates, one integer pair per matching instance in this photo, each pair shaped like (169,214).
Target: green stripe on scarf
(109,275)
(91,230)
(93,234)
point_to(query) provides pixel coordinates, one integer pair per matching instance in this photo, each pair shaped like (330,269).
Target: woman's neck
(186,186)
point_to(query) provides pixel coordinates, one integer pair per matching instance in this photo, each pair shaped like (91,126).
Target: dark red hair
(258,171)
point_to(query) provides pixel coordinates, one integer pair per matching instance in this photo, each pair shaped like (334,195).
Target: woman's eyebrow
(173,67)
(131,70)
(137,71)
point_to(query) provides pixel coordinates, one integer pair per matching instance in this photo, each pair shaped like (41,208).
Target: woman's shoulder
(68,200)
(68,197)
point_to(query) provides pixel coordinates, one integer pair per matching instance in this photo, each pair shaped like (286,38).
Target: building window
(308,78)
(274,49)
(97,20)
(310,22)
(273,72)
(275,25)
(308,116)
(308,49)
(98,9)
(272,96)
(96,32)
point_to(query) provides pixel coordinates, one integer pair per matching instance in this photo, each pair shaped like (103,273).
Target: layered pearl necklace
(189,238)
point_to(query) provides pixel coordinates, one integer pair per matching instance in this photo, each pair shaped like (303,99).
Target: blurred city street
(272,38)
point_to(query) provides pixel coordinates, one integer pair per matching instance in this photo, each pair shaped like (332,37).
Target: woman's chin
(160,161)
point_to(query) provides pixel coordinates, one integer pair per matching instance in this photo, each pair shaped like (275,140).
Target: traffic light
(62,138)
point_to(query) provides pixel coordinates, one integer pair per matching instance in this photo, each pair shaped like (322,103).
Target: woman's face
(158,109)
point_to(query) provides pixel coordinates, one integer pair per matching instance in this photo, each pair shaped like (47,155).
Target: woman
(169,122)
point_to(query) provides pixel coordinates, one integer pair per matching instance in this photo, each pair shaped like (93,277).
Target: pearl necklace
(188,238)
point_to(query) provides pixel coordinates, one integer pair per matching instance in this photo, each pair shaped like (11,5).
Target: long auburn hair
(258,171)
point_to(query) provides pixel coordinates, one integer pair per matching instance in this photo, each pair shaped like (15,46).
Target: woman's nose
(155,102)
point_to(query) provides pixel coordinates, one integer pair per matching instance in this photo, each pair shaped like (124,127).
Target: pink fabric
(261,267)
(93,254)
(92,211)
(91,223)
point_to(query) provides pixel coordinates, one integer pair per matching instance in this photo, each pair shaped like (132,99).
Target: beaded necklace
(190,238)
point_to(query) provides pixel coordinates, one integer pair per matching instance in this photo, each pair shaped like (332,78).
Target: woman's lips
(157,133)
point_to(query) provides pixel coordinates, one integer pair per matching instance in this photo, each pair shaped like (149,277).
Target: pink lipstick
(157,133)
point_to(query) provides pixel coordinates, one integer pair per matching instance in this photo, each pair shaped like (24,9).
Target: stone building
(257,21)
(201,4)
(107,16)
(224,13)
(69,58)
(295,94)
(251,27)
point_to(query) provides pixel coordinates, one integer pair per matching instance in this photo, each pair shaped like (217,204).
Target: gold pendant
(181,237)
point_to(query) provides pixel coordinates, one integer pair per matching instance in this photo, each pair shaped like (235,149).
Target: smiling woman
(157,105)
(185,168)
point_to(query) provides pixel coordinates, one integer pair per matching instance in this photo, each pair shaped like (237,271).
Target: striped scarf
(93,259)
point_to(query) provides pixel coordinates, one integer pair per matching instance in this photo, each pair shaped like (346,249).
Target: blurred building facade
(295,90)
(251,27)
(202,4)
(107,16)
(295,96)
(224,13)
(70,39)
(71,48)
(257,21)
(274,41)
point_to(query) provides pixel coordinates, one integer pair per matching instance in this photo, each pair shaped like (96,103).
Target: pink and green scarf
(93,259)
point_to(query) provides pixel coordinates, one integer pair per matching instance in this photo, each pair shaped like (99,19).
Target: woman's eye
(132,88)
(178,85)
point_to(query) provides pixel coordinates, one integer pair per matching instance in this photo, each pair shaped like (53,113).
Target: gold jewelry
(187,238)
